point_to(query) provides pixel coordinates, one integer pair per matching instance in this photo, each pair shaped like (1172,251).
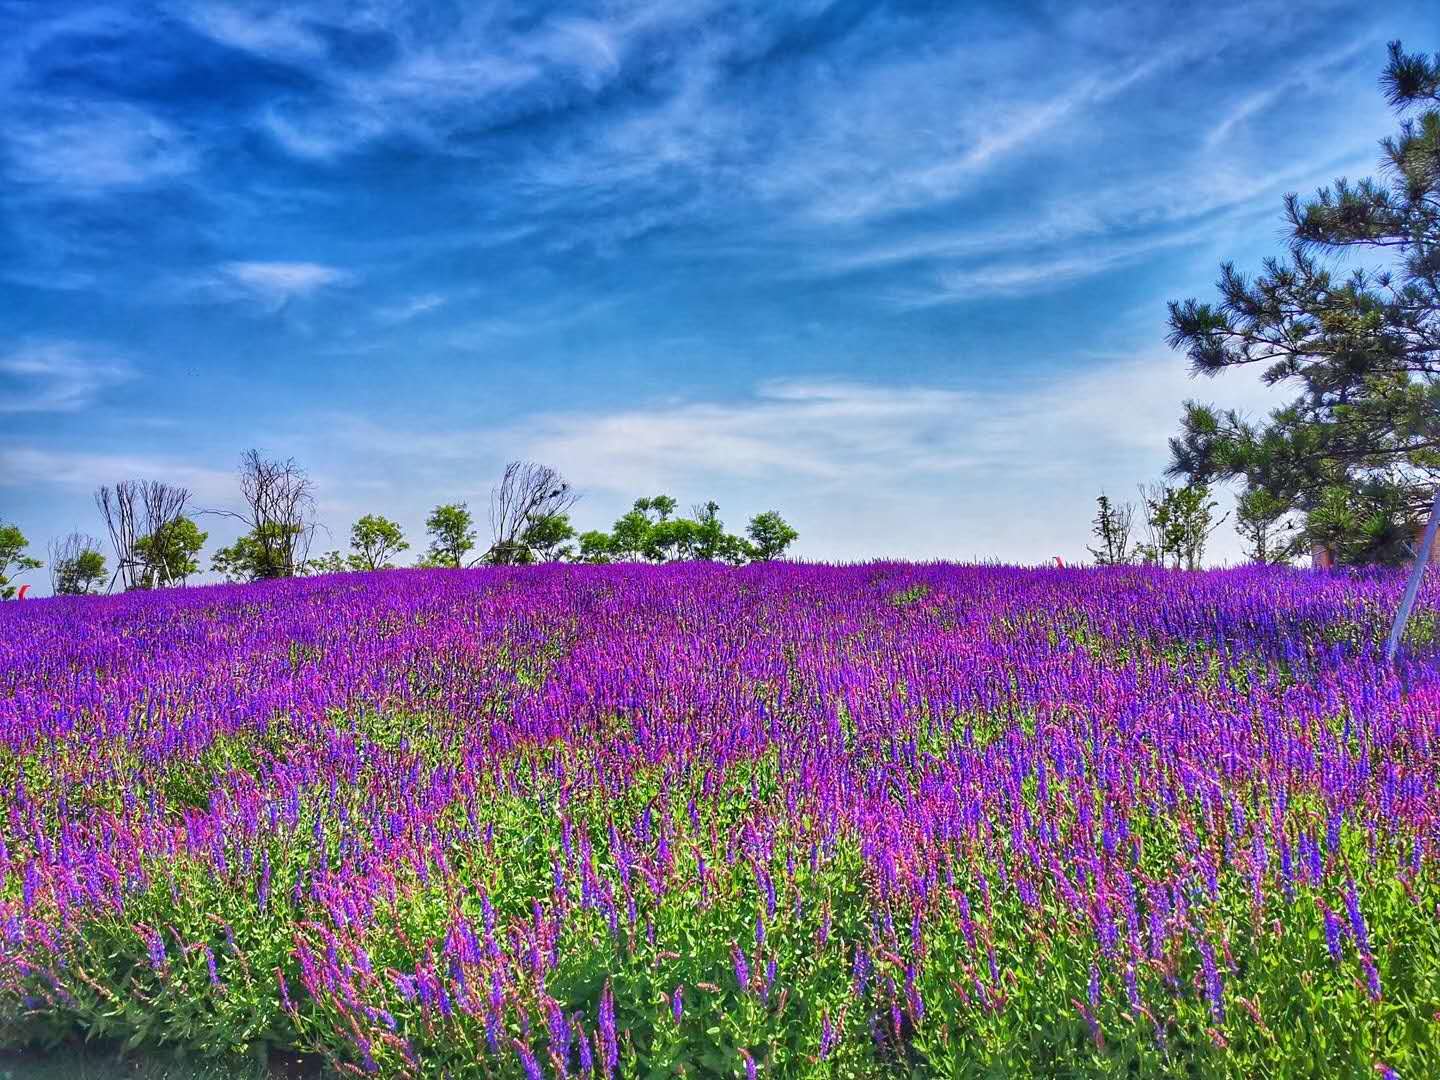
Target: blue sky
(897,270)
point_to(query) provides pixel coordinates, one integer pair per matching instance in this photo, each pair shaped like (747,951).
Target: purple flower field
(788,820)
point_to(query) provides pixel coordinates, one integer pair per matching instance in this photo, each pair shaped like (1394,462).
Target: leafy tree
(1179,522)
(1262,520)
(81,575)
(236,563)
(770,534)
(671,540)
(374,540)
(1364,350)
(258,555)
(76,565)
(1193,522)
(1112,528)
(332,562)
(507,553)
(649,531)
(709,538)
(167,555)
(545,540)
(452,535)
(133,510)
(630,535)
(735,550)
(595,547)
(13,560)
(712,543)
(548,538)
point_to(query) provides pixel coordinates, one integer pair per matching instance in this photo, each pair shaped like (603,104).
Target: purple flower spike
(609,1043)
(741,966)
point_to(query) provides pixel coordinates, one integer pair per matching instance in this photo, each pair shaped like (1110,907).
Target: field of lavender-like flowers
(788,820)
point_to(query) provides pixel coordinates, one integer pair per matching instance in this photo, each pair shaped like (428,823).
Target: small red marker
(23,590)
(1059,562)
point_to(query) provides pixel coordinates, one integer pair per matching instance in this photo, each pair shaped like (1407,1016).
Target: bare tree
(526,494)
(1152,501)
(133,510)
(280,513)
(120,512)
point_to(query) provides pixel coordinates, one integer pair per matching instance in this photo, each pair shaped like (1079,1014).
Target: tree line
(156,542)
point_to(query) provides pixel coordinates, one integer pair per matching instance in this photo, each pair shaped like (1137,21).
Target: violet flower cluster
(595,821)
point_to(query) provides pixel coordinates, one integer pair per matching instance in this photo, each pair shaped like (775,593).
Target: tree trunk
(1417,575)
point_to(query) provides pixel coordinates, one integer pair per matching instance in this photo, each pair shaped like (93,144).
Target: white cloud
(412,308)
(1041,270)
(919,472)
(584,46)
(280,33)
(23,466)
(57,376)
(988,135)
(89,147)
(863,469)
(272,284)
(437,76)
(1310,74)
(286,278)
(845,433)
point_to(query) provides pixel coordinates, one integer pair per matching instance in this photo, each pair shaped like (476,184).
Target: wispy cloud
(57,376)
(271,284)
(464,68)
(863,468)
(1040,270)
(594,131)
(1008,127)
(25,466)
(886,137)
(412,308)
(848,434)
(90,147)
(1305,74)
(844,433)
(282,33)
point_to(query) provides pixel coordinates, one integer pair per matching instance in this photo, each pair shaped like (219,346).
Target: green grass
(94,1063)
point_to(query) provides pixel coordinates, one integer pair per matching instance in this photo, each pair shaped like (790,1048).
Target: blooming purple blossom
(528,1062)
(1102,765)
(609,1042)
(1334,933)
(1214,987)
(741,967)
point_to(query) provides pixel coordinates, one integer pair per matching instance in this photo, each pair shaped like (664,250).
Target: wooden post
(1417,574)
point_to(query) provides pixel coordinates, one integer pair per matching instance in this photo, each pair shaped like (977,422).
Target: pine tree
(1364,350)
